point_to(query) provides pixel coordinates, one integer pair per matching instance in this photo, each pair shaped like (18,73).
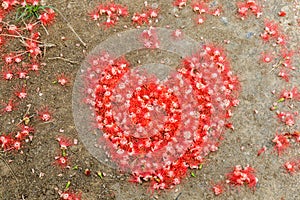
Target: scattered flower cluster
(180,3)
(249,6)
(292,166)
(241,176)
(47,17)
(287,118)
(70,195)
(64,143)
(273,33)
(44,114)
(150,39)
(141,117)
(62,79)
(282,140)
(218,189)
(14,141)
(112,11)
(292,94)
(281,143)
(145,17)
(18,61)
(202,7)
(238,177)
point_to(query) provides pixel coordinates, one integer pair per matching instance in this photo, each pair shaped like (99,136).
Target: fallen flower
(44,114)
(291,166)
(287,117)
(62,79)
(64,142)
(61,161)
(218,189)
(70,195)
(281,143)
(290,94)
(180,3)
(240,176)
(262,150)
(47,17)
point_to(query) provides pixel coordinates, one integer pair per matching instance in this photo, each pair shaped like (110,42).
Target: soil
(31,174)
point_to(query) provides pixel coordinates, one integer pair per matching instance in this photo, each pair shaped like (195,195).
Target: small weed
(28,11)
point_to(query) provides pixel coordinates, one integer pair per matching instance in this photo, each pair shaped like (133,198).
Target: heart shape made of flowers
(155,129)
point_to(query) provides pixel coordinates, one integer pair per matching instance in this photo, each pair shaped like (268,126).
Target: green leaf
(100,175)
(200,166)
(281,100)
(192,174)
(75,167)
(68,185)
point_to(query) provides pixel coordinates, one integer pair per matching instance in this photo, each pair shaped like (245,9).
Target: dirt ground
(20,178)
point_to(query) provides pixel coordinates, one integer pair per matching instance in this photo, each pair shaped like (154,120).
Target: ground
(21,172)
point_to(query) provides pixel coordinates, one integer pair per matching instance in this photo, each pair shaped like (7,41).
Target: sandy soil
(20,178)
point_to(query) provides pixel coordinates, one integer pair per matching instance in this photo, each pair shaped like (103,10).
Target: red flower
(69,195)
(218,189)
(64,143)
(287,118)
(34,66)
(8,107)
(290,94)
(44,114)
(21,92)
(177,34)
(33,47)
(266,57)
(7,73)
(180,3)
(112,11)
(296,136)
(291,166)
(8,4)
(8,59)
(62,79)
(281,14)
(281,143)
(145,16)
(47,17)
(240,176)
(200,7)
(242,9)
(262,150)
(16,145)
(284,74)
(6,142)
(22,74)
(62,161)
(30,2)
(200,19)
(249,5)
(150,39)
(24,132)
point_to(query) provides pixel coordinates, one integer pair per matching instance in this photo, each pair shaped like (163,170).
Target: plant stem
(71,28)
